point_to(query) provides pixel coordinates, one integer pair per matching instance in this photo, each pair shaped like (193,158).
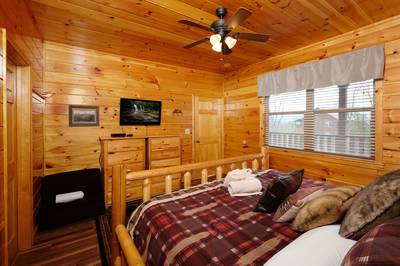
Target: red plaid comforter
(204,225)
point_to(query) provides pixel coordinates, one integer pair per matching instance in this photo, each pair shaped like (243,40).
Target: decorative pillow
(380,246)
(317,247)
(282,186)
(292,204)
(328,208)
(378,202)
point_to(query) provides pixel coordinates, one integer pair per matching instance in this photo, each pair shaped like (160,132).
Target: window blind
(286,119)
(334,119)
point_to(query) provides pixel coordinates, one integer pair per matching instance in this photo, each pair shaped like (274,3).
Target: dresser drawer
(130,167)
(126,145)
(128,183)
(133,191)
(134,167)
(125,157)
(166,154)
(165,163)
(164,143)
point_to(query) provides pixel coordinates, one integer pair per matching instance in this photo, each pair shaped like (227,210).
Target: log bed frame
(123,250)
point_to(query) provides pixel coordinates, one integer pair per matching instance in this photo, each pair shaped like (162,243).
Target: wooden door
(12,199)
(208,128)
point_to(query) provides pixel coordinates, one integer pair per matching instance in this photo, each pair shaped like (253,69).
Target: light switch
(187,131)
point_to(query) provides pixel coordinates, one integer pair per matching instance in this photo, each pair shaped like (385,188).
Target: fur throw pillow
(328,208)
(281,187)
(378,202)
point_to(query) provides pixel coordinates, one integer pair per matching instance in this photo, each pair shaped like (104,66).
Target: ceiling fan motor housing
(219,25)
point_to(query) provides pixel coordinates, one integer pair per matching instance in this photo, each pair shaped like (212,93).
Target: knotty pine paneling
(24,39)
(81,76)
(148,29)
(241,119)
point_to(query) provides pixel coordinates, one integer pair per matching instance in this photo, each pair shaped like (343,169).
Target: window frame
(376,115)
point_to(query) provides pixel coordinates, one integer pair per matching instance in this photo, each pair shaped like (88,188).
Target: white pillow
(321,246)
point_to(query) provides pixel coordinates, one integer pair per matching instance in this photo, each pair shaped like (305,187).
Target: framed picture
(83,116)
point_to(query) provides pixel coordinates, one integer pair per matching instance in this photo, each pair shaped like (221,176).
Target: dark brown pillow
(328,208)
(284,185)
(380,246)
(376,203)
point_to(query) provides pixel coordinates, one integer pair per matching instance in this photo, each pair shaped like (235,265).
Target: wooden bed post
(254,165)
(118,210)
(204,176)
(219,172)
(187,180)
(265,158)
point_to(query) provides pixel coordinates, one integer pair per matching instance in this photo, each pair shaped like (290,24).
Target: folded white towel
(238,174)
(68,197)
(246,187)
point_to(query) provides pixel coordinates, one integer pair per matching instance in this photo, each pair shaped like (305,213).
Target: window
(335,119)
(286,119)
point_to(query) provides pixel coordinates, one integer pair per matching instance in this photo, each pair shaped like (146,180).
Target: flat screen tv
(139,112)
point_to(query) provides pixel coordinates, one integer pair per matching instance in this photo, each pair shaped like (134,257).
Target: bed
(200,225)
(204,225)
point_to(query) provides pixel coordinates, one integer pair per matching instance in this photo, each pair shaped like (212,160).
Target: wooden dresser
(139,153)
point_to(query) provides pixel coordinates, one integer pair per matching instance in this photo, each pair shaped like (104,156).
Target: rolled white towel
(68,197)
(238,174)
(246,187)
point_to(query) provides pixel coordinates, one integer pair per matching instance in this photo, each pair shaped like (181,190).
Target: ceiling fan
(224,37)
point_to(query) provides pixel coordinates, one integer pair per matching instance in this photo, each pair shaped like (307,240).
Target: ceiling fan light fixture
(230,42)
(215,40)
(217,48)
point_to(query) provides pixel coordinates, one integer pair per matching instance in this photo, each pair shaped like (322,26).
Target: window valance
(360,65)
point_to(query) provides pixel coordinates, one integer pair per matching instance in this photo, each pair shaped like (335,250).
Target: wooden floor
(75,244)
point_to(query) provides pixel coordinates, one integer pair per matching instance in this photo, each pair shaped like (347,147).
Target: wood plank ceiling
(148,29)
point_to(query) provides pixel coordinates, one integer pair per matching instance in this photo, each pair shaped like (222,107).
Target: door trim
(25,223)
(24,158)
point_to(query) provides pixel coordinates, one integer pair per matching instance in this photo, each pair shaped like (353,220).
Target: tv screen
(139,112)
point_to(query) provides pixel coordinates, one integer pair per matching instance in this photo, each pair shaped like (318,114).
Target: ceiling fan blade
(194,24)
(196,43)
(240,15)
(225,48)
(251,36)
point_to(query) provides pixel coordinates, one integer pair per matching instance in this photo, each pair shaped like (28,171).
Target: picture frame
(83,116)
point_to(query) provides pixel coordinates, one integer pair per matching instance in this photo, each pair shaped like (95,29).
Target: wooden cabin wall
(242,113)
(24,37)
(24,48)
(78,76)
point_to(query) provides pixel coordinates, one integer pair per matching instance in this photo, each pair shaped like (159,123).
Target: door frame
(194,123)
(25,222)
(5,151)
